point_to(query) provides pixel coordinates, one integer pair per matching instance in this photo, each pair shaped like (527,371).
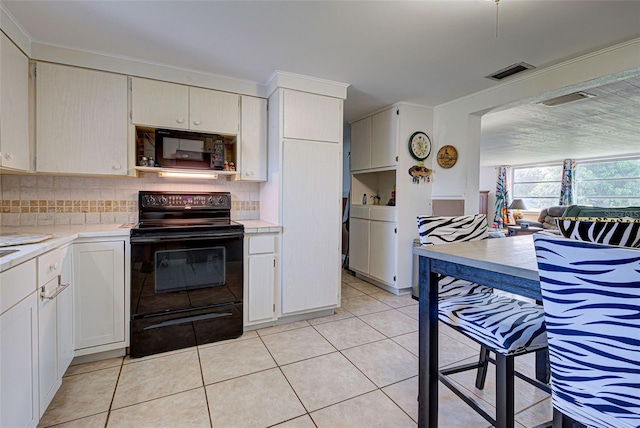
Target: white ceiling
(426,52)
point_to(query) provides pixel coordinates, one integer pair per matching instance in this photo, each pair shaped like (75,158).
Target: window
(538,186)
(608,184)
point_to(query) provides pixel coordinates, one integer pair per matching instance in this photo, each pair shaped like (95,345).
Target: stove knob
(151,200)
(211,200)
(221,200)
(162,200)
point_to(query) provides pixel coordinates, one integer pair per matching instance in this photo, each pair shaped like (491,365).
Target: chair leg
(483,365)
(504,391)
(543,371)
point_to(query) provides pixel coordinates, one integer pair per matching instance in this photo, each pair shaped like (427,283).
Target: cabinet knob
(180,120)
(8,156)
(196,122)
(249,173)
(53,266)
(117,167)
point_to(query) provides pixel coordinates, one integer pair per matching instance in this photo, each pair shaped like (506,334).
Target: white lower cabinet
(373,243)
(260,278)
(382,251)
(55,321)
(100,296)
(19,404)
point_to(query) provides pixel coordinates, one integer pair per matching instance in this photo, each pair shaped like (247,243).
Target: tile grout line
(204,388)
(113,396)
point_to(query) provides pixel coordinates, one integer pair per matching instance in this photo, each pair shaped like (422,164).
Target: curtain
(501,217)
(566,187)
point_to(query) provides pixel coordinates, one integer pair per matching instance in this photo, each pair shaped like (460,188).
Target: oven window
(189,269)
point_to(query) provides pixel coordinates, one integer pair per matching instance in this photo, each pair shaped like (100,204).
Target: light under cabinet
(185,173)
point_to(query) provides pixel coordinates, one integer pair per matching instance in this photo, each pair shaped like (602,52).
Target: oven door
(175,272)
(186,290)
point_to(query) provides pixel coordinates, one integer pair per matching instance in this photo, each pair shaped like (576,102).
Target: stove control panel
(150,201)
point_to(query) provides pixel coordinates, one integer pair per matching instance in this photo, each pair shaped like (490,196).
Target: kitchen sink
(7,252)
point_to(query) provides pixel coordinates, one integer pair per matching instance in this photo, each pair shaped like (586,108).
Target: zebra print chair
(438,230)
(505,326)
(591,297)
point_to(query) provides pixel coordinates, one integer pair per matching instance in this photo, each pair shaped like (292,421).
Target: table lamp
(516,206)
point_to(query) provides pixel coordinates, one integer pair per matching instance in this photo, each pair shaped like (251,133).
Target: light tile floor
(356,368)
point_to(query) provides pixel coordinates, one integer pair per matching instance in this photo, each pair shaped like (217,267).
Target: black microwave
(183,149)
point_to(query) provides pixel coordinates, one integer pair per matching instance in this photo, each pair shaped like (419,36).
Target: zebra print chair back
(591,296)
(437,230)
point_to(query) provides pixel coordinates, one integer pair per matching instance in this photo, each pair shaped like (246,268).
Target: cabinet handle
(249,173)
(59,289)
(117,166)
(196,122)
(179,120)
(9,156)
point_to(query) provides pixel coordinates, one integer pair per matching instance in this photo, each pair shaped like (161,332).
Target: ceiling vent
(563,99)
(510,71)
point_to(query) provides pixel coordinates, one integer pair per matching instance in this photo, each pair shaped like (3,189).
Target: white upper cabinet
(81,121)
(312,117)
(252,160)
(162,104)
(383,138)
(14,106)
(373,141)
(361,144)
(214,111)
(174,106)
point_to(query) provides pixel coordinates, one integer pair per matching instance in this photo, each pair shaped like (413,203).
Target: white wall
(458,122)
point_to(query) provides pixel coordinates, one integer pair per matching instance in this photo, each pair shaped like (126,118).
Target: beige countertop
(61,235)
(65,234)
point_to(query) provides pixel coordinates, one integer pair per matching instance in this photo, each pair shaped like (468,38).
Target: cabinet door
(361,144)
(19,368)
(312,117)
(383,251)
(214,111)
(14,108)
(359,244)
(65,314)
(252,161)
(99,296)
(260,290)
(81,121)
(312,225)
(383,138)
(159,104)
(49,378)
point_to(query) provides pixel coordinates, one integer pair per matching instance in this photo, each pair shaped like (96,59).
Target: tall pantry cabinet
(380,236)
(304,191)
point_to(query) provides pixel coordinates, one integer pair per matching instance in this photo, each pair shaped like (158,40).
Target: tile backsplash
(38,200)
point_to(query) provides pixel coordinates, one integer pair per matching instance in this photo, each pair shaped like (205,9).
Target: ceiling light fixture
(198,175)
(563,99)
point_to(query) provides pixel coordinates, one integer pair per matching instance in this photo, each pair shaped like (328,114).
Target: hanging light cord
(497,4)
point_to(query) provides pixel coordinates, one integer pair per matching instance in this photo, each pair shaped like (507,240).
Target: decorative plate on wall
(447,156)
(419,145)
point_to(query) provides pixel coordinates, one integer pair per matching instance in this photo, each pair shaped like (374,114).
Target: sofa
(547,217)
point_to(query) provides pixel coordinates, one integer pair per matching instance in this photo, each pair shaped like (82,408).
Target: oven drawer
(262,244)
(184,329)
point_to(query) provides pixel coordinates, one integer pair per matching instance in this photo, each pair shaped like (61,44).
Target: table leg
(428,346)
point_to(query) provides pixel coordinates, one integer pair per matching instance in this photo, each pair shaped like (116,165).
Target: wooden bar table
(506,264)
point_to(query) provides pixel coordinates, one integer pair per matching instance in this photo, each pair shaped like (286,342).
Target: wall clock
(419,145)
(447,156)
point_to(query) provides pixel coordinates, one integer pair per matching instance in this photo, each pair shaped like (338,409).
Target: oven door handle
(177,237)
